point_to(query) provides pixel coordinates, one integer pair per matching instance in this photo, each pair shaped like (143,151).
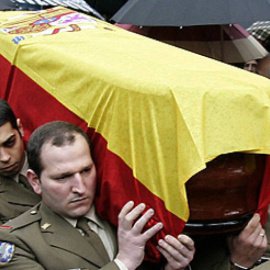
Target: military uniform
(44,240)
(14,199)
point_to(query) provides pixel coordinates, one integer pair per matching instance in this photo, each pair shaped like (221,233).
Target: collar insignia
(46,226)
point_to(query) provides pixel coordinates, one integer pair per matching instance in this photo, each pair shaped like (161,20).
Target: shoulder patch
(6,252)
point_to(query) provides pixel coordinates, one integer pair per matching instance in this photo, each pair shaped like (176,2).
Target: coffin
(224,196)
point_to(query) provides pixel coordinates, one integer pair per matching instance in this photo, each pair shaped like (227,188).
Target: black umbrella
(80,5)
(106,7)
(192,12)
(7,5)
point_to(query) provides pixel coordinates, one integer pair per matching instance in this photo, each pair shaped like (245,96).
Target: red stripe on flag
(116,184)
(264,199)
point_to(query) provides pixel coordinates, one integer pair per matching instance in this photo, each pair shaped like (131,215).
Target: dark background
(107,8)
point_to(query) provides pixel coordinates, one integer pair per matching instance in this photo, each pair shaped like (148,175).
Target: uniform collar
(91,215)
(23,170)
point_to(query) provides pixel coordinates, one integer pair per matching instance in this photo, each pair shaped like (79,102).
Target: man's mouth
(9,168)
(79,200)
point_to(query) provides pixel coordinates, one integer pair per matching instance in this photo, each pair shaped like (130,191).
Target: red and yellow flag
(155,114)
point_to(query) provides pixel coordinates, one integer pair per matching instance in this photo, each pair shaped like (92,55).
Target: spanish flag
(155,114)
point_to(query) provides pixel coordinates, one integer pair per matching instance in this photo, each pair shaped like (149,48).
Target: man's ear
(20,127)
(34,181)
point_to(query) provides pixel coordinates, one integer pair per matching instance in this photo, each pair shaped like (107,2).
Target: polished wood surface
(224,196)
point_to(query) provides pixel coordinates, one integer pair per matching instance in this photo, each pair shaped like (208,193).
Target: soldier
(16,195)
(64,231)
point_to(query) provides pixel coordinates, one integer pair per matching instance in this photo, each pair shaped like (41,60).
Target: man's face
(11,150)
(251,66)
(68,179)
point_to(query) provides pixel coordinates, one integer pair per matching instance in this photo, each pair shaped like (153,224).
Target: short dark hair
(58,133)
(7,115)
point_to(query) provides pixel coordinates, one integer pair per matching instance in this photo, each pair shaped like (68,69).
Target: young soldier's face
(11,150)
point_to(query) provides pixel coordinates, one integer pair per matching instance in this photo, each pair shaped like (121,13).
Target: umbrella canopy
(80,5)
(227,43)
(260,30)
(7,5)
(192,12)
(106,7)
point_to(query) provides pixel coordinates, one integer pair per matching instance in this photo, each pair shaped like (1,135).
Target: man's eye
(85,171)
(63,177)
(9,143)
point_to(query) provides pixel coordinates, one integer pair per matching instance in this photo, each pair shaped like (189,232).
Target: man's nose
(4,155)
(78,184)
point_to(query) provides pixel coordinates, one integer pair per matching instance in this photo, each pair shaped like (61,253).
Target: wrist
(120,264)
(126,262)
(236,266)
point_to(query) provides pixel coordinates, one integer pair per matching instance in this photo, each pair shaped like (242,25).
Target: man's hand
(248,246)
(131,238)
(178,252)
